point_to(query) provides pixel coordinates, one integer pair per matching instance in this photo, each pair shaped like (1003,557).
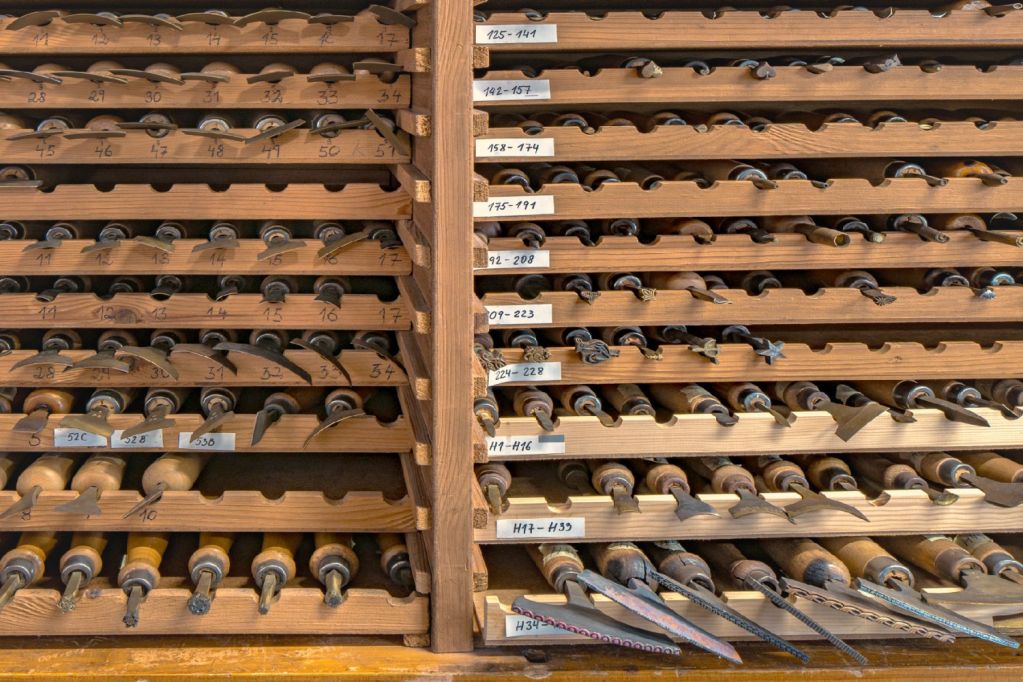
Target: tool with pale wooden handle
(909,395)
(998,560)
(46,473)
(780,475)
(880,474)
(140,570)
(725,477)
(207,567)
(24,565)
(274,566)
(8,462)
(495,479)
(101,404)
(39,405)
(335,565)
(340,405)
(280,403)
(615,479)
(79,565)
(175,471)
(98,474)
(747,397)
(994,466)
(943,468)
(159,404)
(395,560)
(692,399)
(663,478)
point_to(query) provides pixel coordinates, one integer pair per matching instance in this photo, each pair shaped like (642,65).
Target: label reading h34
(524,626)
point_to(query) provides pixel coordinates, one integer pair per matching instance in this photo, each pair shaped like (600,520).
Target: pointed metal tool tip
(199,604)
(333,596)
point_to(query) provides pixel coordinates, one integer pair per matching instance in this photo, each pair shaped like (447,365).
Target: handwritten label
(516,34)
(76,438)
(210,441)
(505,207)
(524,626)
(510,315)
(515,146)
(525,372)
(505,90)
(526,445)
(541,529)
(149,439)
(518,258)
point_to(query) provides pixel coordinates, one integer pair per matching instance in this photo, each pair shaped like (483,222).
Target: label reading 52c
(515,146)
(523,315)
(525,372)
(524,626)
(149,439)
(504,90)
(516,34)
(541,529)
(518,258)
(210,441)
(76,438)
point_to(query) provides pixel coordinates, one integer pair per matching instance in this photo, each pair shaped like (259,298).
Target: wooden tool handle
(807,561)
(301,399)
(58,402)
(778,472)
(994,466)
(103,471)
(661,478)
(391,545)
(863,557)
(494,473)
(144,555)
(33,547)
(50,472)
(620,561)
(349,395)
(7,463)
(333,544)
(879,391)
(623,397)
(609,473)
(936,554)
(670,396)
(724,557)
(557,562)
(280,548)
(730,478)
(175,470)
(987,551)
(820,470)
(676,281)
(215,546)
(88,545)
(733,393)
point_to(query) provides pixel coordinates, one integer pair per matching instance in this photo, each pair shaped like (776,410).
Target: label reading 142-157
(503,90)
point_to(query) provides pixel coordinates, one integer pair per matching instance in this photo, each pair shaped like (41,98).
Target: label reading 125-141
(504,90)
(522,315)
(516,34)
(541,529)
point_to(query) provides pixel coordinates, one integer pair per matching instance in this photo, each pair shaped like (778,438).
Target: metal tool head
(332,420)
(981,589)
(95,423)
(207,353)
(154,357)
(86,504)
(27,501)
(851,420)
(32,423)
(44,358)
(147,501)
(264,354)
(689,506)
(155,422)
(326,356)
(751,503)
(952,412)
(265,418)
(211,424)
(101,360)
(996,492)
(813,501)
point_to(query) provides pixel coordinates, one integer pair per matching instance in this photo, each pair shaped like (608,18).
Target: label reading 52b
(149,439)
(521,315)
(541,529)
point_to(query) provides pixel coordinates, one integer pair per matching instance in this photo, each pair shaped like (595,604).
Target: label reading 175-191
(506,207)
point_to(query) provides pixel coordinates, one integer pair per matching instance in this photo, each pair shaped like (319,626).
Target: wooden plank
(418,498)
(200,202)
(695,435)
(731,252)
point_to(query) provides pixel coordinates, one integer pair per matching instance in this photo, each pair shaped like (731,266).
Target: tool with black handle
(39,405)
(692,399)
(560,565)
(664,478)
(217,404)
(207,567)
(943,468)
(725,477)
(335,564)
(140,571)
(908,395)
(615,479)
(98,474)
(280,403)
(101,404)
(47,472)
(495,479)
(395,560)
(176,471)
(25,564)
(340,405)
(274,566)
(805,395)
(998,560)
(780,475)
(82,562)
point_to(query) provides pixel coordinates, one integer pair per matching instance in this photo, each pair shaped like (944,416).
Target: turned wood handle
(986,550)
(865,558)
(807,561)
(557,562)
(57,402)
(620,561)
(569,394)
(733,393)
(661,478)
(671,397)
(213,546)
(677,281)
(351,396)
(937,467)
(937,555)
(621,395)
(103,471)
(820,470)
(879,391)
(731,477)
(50,472)
(776,471)
(785,223)
(176,470)
(391,545)
(88,544)
(607,474)
(7,463)
(994,466)
(724,557)
(494,473)
(33,547)
(333,544)
(279,547)
(299,399)
(144,555)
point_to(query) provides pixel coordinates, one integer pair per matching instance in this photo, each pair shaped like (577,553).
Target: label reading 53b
(525,372)
(541,529)
(524,626)
(209,441)
(521,315)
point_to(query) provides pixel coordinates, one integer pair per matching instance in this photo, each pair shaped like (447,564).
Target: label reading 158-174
(514,146)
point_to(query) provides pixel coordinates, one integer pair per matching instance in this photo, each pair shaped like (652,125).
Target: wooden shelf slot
(835,362)
(777,141)
(234,510)
(907,512)
(358,434)
(774,306)
(689,435)
(299,611)
(366,91)
(748,30)
(134,258)
(355,147)
(682,85)
(200,202)
(290,36)
(365,367)
(854,196)
(241,311)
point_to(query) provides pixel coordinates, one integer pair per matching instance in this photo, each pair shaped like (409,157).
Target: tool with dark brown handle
(850,397)
(1008,392)
(175,471)
(24,565)
(692,399)
(780,475)
(101,404)
(725,477)
(583,401)
(937,555)
(39,405)
(140,571)
(615,479)
(495,479)
(678,334)
(747,397)
(908,395)
(207,567)
(628,399)
(79,565)
(864,558)
(335,565)
(340,405)
(881,474)
(827,472)
(98,474)
(861,280)
(532,402)
(47,472)
(663,478)
(280,403)
(995,558)
(274,566)
(395,560)
(159,404)
(805,225)
(686,281)
(965,395)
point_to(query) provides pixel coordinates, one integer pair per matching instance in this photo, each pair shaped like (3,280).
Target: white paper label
(515,146)
(76,438)
(518,258)
(524,626)
(210,441)
(526,445)
(525,372)
(516,34)
(505,315)
(506,207)
(149,439)
(505,90)
(541,529)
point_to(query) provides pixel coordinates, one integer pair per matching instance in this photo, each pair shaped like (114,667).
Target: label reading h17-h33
(573,528)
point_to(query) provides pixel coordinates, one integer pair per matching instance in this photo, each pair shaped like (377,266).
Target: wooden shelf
(733,252)
(682,85)
(290,36)
(688,435)
(366,91)
(236,510)
(834,362)
(241,311)
(365,367)
(777,141)
(908,511)
(792,197)
(300,610)
(199,202)
(359,147)
(358,434)
(774,306)
(747,30)
(133,258)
